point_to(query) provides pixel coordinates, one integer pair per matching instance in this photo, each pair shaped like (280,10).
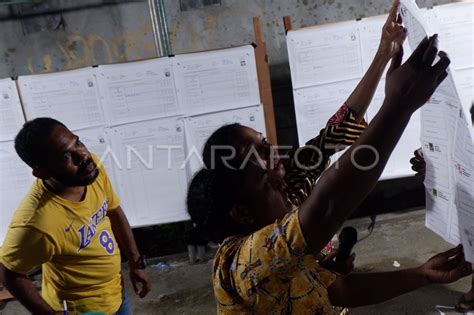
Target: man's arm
(126,241)
(23,289)
(346,183)
(393,36)
(372,288)
(23,250)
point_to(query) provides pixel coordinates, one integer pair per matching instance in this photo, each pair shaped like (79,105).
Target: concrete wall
(103,31)
(231,23)
(112,31)
(97,32)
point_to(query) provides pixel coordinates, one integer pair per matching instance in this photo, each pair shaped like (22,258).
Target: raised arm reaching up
(345,184)
(393,36)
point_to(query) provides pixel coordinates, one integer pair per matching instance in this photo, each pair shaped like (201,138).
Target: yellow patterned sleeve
(265,272)
(306,164)
(261,263)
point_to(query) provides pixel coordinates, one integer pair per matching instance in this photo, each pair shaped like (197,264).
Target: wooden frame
(264,82)
(287,24)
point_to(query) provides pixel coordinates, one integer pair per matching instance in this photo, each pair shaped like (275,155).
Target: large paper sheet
(463,219)
(324,54)
(454,24)
(315,105)
(72,97)
(137,91)
(416,20)
(151,171)
(449,154)
(438,125)
(464,80)
(11,114)
(15,181)
(216,80)
(199,128)
(450,109)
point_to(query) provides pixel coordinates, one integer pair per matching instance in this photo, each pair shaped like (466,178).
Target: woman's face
(257,149)
(263,184)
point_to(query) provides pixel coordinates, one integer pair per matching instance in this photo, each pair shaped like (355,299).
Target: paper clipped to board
(150,170)
(137,91)
(15,181)
(216,80)
(72,97)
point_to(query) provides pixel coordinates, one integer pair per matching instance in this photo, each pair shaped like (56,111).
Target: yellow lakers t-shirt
(75,244)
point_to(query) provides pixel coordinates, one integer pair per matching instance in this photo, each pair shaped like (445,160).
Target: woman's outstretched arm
(359,289)
(346,183)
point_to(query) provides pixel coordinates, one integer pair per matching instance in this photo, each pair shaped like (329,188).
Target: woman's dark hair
(219,145)
(214,189)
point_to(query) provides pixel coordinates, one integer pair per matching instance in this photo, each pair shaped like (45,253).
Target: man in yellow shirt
(72,225)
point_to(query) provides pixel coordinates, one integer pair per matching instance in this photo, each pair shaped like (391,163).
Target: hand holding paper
(393,34)
(416,80)
(446,267)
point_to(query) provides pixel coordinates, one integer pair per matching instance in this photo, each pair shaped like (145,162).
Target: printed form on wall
(324,54)
(72,97)
(151,173)
(15,181)
(11,115)
(216,80)
(454,24)
(137,91)
(314,106)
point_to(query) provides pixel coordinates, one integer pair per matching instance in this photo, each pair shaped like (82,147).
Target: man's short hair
(30,140)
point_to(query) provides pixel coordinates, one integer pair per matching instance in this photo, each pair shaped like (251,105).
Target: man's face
(68,160)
